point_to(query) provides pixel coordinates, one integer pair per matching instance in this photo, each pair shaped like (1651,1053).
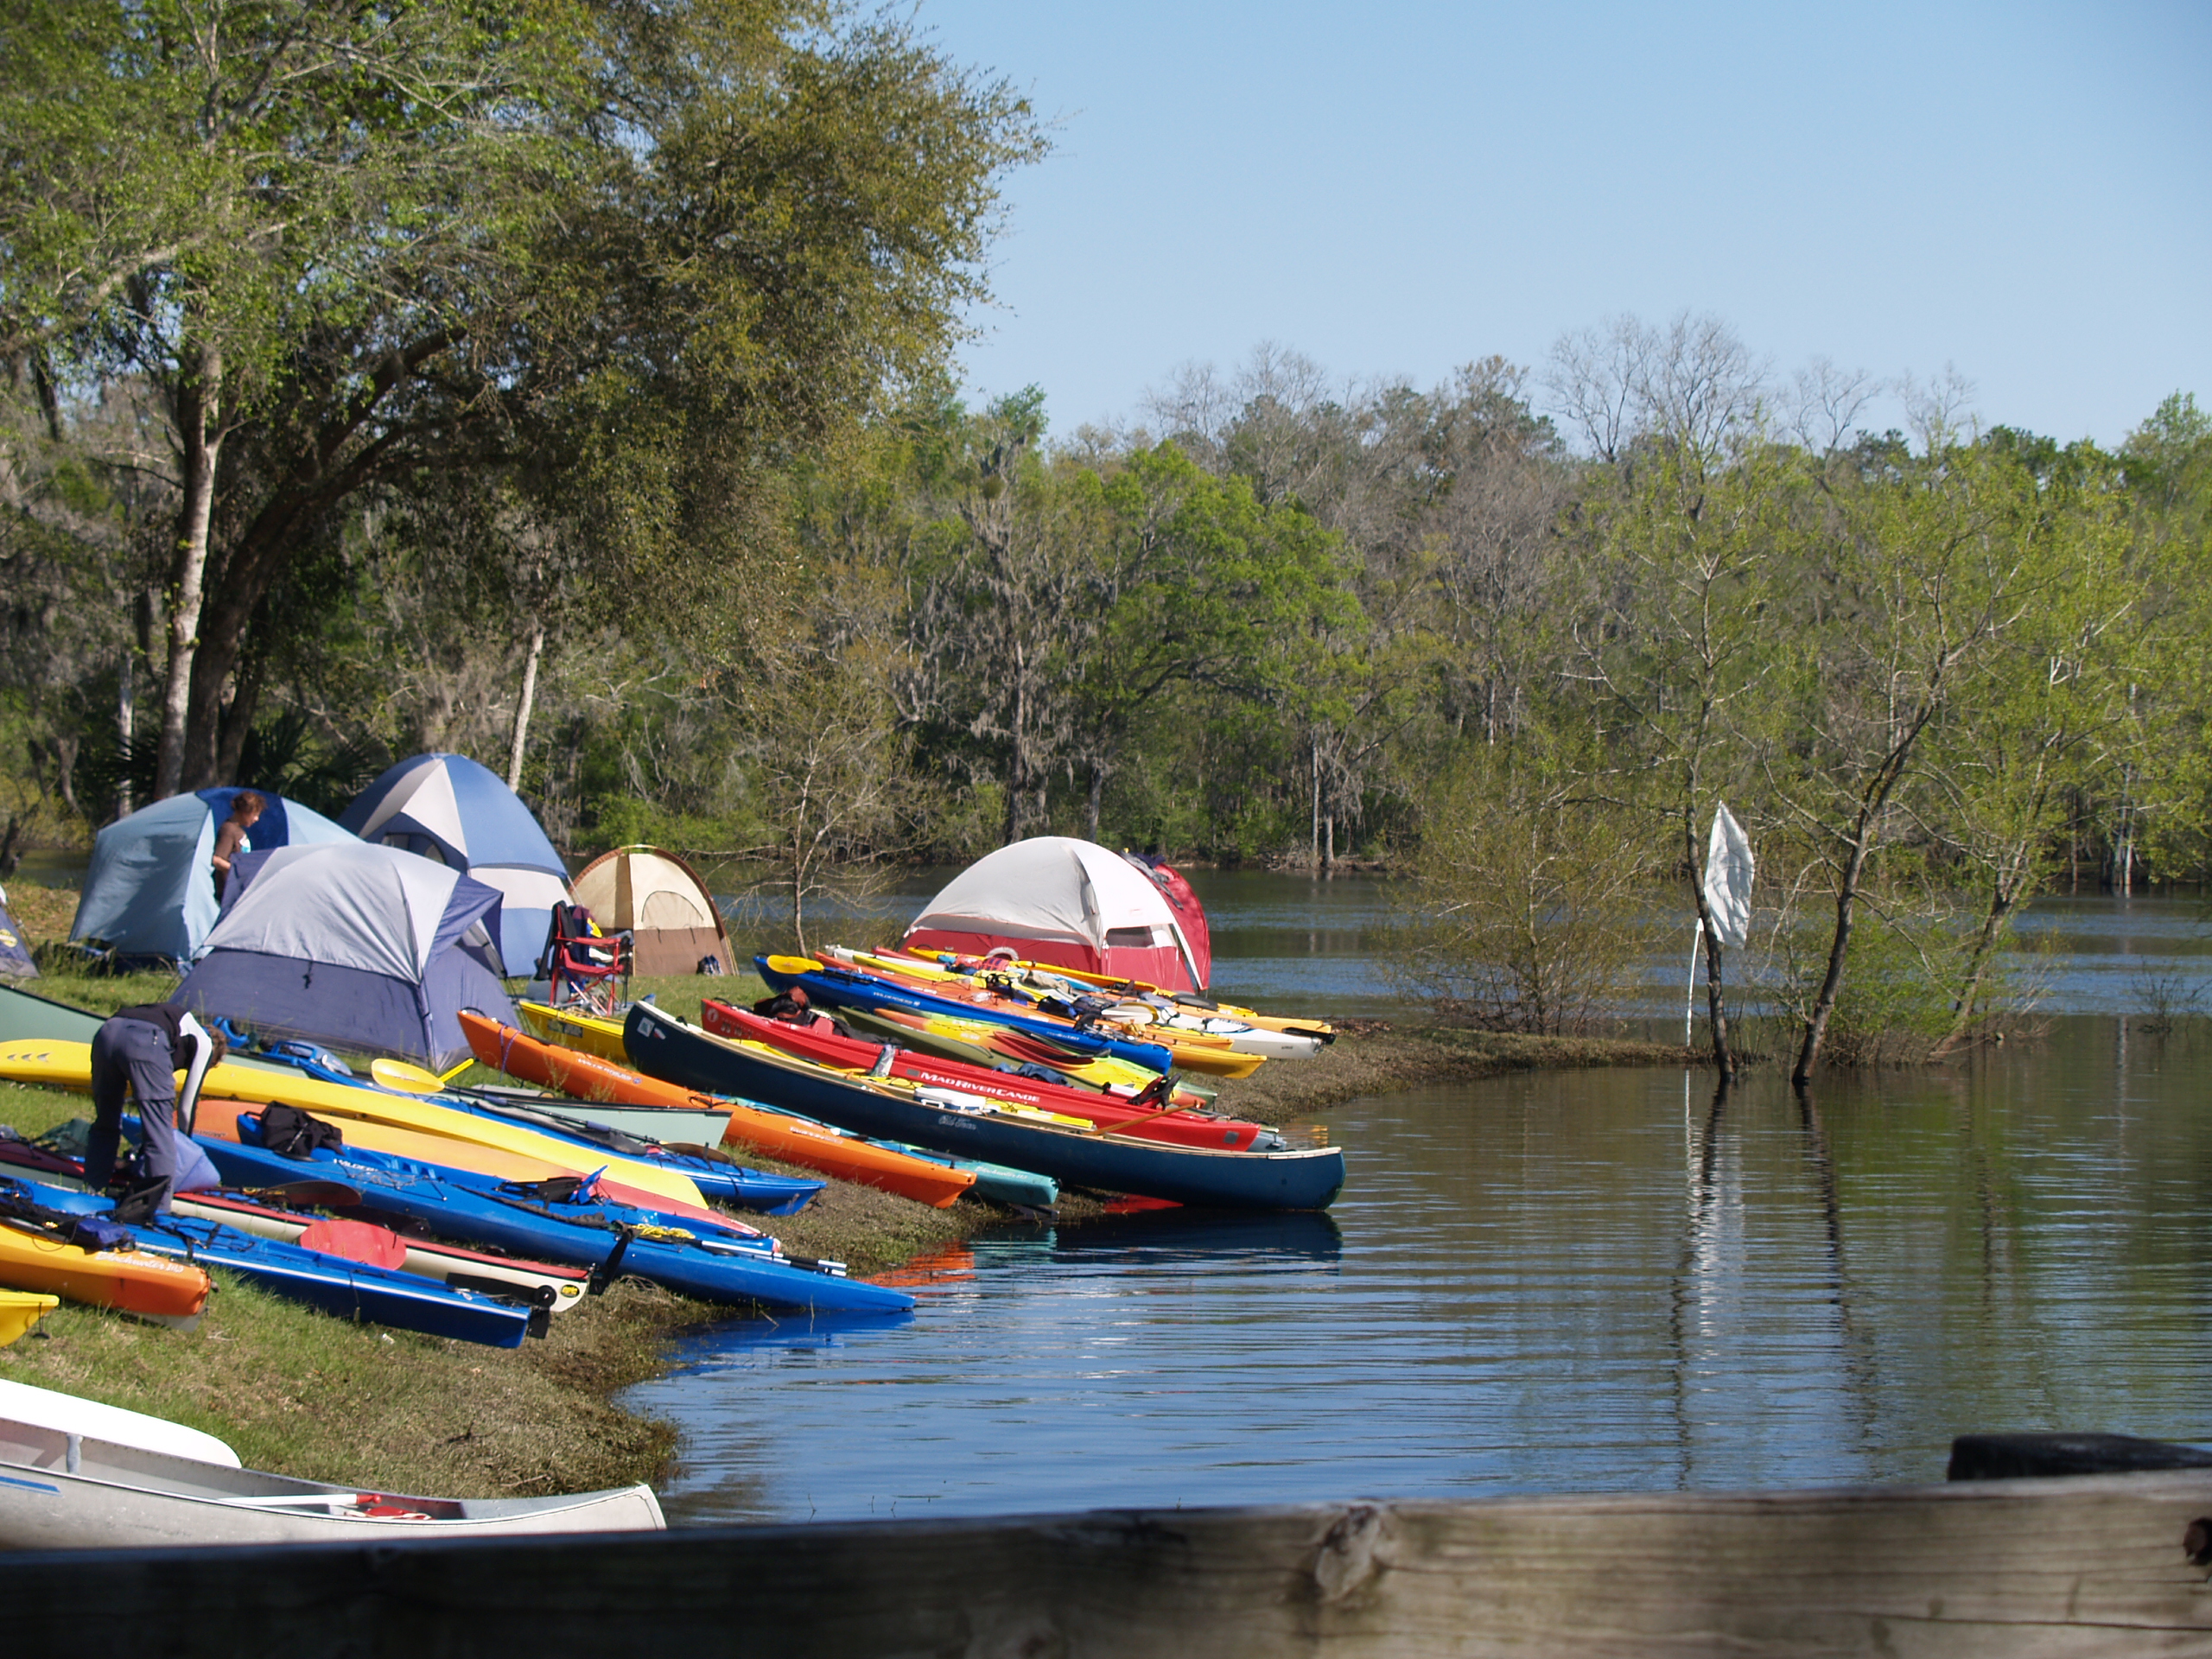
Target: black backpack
(290,1133)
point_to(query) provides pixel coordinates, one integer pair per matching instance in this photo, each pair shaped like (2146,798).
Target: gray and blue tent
(450,808)
(14,950)
(365,949)
(150,893)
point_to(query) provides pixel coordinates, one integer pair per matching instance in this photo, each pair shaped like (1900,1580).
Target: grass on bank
(302,1393)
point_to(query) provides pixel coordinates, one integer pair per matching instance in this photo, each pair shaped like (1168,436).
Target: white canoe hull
(59,1491)
(67,1414)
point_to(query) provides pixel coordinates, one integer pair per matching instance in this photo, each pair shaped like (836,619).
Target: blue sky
(2022,192)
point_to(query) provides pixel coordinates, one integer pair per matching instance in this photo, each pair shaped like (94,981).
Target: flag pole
(1689,994)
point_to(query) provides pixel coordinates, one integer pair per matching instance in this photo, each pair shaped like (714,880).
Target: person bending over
(141,1049)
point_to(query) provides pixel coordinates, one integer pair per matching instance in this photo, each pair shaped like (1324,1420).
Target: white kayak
(1243,1039)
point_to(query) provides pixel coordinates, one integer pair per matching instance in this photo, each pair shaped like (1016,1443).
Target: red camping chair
(584,968)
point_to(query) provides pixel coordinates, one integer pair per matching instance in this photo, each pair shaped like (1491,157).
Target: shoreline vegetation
(301,1393)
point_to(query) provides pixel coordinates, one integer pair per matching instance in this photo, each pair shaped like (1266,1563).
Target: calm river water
(1573,1282)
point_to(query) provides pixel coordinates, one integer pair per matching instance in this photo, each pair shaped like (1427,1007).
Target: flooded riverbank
(1552,1282)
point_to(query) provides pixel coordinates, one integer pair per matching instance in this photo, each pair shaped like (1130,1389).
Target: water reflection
(1599,1280)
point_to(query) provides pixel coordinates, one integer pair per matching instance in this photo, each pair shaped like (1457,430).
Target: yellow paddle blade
(399,1074)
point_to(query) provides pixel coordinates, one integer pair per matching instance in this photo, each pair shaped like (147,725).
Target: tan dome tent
(659,899)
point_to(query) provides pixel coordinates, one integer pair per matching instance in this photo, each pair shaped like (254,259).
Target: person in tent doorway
(230,839)
(140,1050)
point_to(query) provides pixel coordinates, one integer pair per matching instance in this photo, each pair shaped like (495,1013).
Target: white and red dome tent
(1073,904)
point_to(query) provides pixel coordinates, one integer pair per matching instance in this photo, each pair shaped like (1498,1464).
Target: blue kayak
(691,1258)
(719,1179)
(351,1290)
(830,985)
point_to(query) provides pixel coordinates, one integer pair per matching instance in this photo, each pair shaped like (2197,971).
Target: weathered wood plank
(2021,1569)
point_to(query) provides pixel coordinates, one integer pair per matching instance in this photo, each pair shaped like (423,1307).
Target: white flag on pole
(1729,868)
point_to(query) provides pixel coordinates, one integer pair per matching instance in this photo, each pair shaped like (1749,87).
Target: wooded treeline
(563,382)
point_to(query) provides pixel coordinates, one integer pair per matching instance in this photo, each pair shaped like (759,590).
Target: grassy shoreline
(303,1393)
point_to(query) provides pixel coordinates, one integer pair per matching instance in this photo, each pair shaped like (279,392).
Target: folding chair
(586,968)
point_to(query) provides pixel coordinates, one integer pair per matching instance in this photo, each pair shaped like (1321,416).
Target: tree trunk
(1017,782)
(2006,888)
(1096,799)
(1847,896)
(524,703)
(1716,1008)
(1313,856)
(2123,851)
(197,447)
(234,726)
(1716,986)
(123,718)
(1967,1004)
(65,764)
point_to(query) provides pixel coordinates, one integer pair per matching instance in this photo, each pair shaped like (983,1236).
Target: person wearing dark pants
(140,1050)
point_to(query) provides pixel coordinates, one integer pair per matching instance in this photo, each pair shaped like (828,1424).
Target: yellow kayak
(218,1120)
(1214,1053)
(1198,1005)
(56,1064)
(21,1309)
(571,1028)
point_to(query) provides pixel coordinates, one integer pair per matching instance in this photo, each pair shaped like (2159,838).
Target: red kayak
(1144,1120)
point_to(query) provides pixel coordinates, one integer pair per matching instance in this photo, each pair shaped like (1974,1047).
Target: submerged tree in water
(1530,903)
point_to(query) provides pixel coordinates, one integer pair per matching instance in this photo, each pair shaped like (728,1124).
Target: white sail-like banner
(1729,868)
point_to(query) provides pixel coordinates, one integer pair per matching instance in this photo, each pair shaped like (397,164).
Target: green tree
(1918,569)
(1695,544)
(2047,713)
(653,249)
(1195,583)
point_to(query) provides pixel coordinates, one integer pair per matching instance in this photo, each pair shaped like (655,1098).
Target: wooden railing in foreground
(2097,1565)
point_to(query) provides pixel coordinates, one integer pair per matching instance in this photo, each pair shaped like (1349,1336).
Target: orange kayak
(133,1282)
(771,1135)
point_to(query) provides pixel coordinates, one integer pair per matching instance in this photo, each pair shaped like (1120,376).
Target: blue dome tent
(150,895)
(367,948)
(450,808)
